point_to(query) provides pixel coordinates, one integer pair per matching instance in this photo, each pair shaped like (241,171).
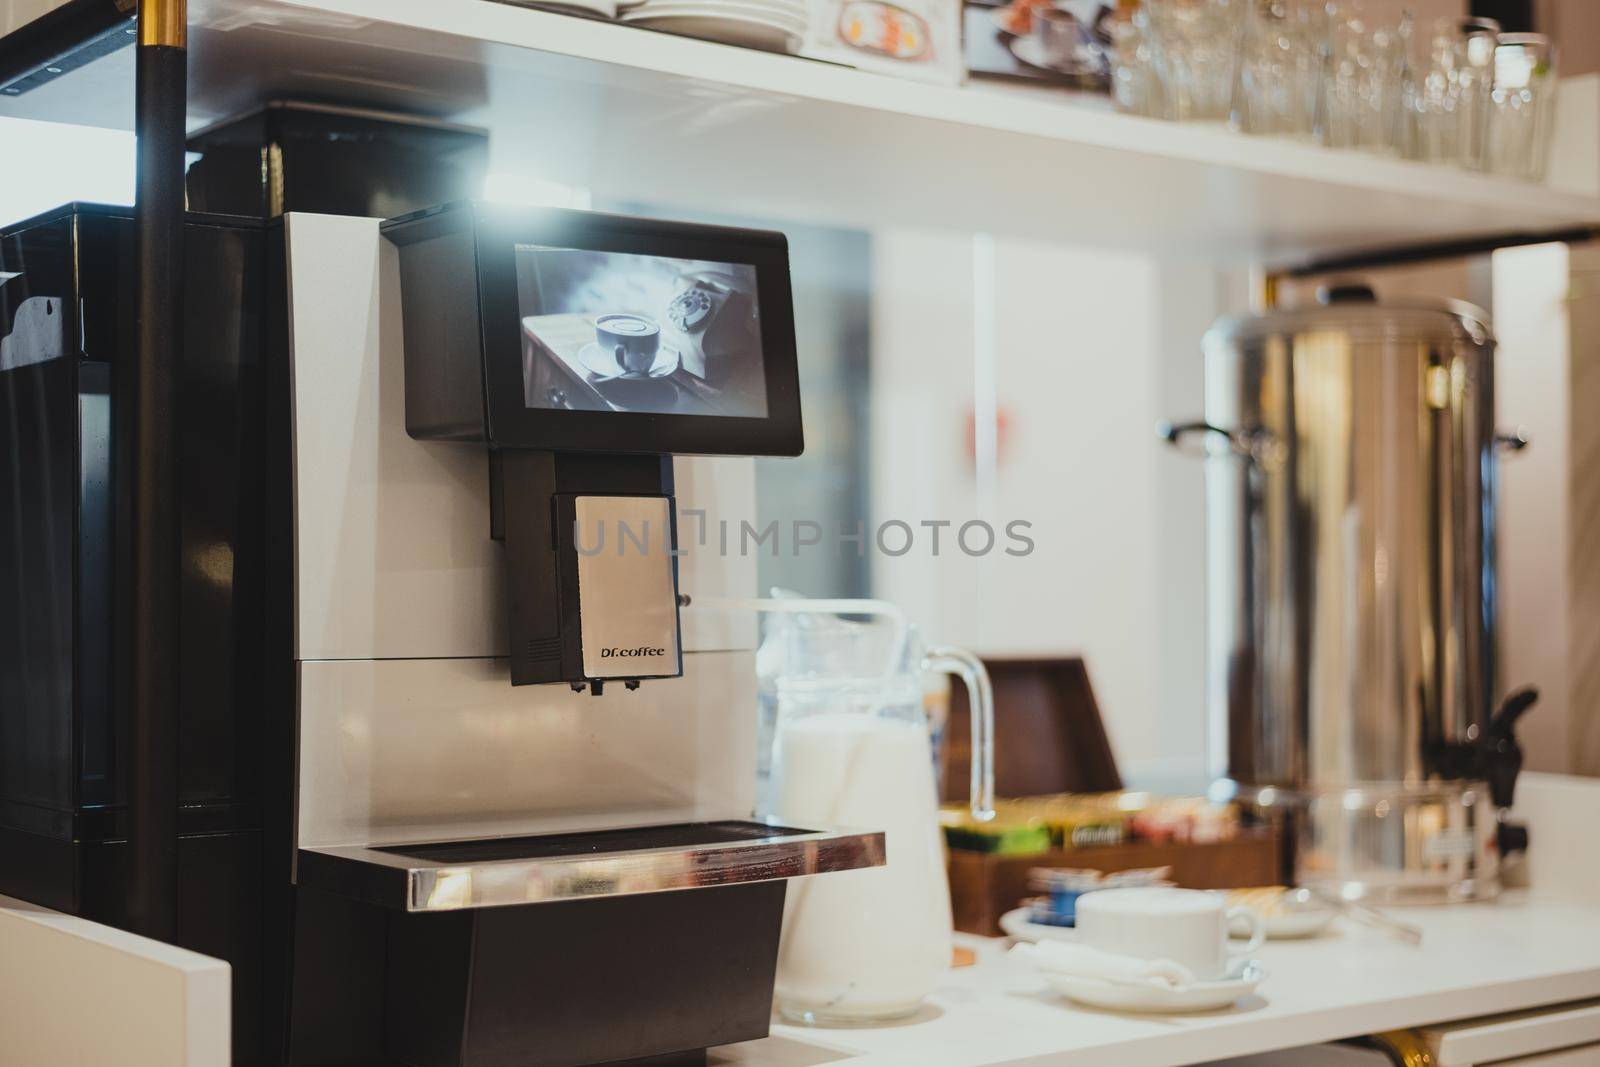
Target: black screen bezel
(512,424)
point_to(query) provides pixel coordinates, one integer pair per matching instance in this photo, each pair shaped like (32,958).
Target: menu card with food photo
(911,38)
(1066,42)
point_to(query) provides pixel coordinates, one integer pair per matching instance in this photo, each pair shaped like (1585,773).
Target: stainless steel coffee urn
(1351,458)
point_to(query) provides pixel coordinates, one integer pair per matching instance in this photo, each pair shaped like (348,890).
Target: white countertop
(1475,959)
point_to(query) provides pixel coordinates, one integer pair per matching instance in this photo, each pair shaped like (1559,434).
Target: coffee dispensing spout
(1494,757)
(1502,755)
(1502,762)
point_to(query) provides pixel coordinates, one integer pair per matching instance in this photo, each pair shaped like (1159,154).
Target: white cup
(1187,926)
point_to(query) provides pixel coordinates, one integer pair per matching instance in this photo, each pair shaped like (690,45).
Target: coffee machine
(409,850)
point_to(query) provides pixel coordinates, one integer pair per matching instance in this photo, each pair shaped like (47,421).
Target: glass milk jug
(852,748)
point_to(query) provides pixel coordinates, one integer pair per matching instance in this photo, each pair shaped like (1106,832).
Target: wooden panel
(1576,27)
(1583,512)
(984,887)
(1049,737)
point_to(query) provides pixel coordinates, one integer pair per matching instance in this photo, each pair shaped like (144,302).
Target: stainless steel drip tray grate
(504,871)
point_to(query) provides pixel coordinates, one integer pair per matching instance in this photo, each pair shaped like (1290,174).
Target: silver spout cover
(627,595)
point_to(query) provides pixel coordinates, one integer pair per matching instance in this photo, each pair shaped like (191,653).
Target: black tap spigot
(1502,755)
(1502,762)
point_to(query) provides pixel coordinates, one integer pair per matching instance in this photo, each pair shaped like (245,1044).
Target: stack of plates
(605,9)
(774,25)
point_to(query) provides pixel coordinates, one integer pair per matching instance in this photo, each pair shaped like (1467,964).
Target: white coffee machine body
(410,738)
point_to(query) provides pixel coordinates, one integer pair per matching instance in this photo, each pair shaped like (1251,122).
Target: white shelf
(641,116)
(1475,960)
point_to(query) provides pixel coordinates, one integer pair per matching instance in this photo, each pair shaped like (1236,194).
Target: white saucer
(727,17)
(602,365)
(605,9)
(660,396)
(1288,926)
(1085,63)
(777,14)
(710,8)
(1017,923)
(1159,997)
(735,28)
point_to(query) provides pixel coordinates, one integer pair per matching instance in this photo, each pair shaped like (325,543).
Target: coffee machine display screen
(577,331)
(610,331)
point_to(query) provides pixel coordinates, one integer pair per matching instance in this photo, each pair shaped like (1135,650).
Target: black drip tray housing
(582,948)
(583,981)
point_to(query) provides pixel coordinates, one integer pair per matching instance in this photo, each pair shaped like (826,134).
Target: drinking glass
(1312,20)
(1194,47)
(1386,126)
(1366,83)
(1522,105)
(1347,76)
(1319,70)
(1452,98)
(1275,84)
(1135,85)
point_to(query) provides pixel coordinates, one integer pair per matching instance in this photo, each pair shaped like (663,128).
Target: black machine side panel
(63,733)
(38,445)
(280,720)
(220,472)
(61,738)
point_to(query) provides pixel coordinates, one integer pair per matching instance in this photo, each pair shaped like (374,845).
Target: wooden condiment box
(986,885)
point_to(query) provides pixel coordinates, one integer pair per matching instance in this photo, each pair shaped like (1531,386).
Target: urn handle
(1510,440)
(1260,445)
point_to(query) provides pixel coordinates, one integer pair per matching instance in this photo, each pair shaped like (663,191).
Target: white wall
(16,13)
(62,163)
(1089,350)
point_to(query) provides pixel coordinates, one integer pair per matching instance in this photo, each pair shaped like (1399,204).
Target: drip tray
(505,871)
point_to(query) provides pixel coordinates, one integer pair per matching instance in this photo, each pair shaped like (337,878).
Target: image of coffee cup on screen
(614,331)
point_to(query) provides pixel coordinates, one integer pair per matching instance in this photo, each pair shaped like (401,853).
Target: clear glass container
(1452,95)
(1522,105)
(1194,47)
(852,745)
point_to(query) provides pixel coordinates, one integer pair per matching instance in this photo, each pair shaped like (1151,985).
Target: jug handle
(980,697)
